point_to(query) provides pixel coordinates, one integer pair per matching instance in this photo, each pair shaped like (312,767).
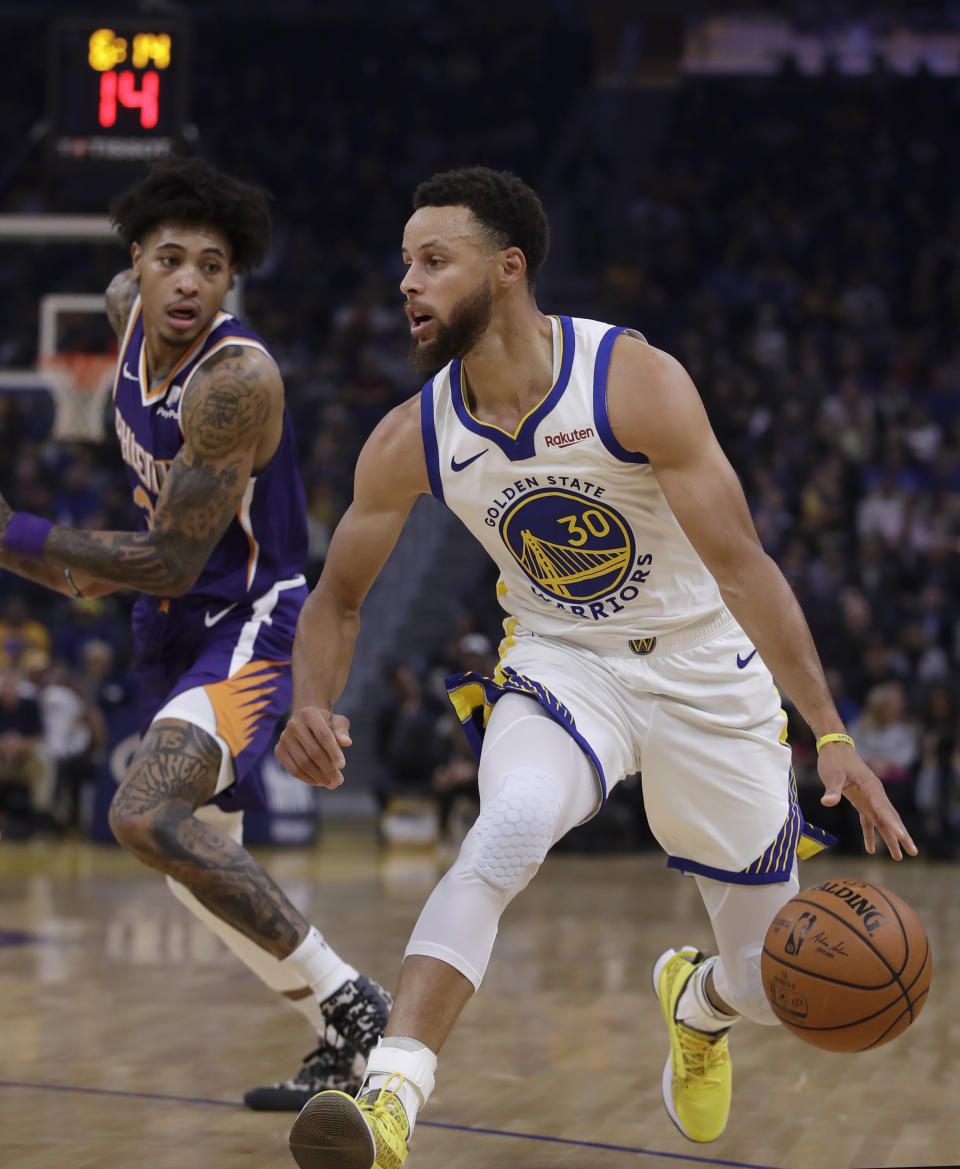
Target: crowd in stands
(807,274)
(795,242)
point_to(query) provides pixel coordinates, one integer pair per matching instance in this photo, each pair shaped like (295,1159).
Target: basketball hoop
(79,384)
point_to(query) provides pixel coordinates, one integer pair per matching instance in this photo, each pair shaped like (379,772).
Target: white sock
(408,1054)
(320,967)
(695,1010)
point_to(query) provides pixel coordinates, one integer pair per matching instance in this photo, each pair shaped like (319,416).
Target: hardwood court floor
(129,1034)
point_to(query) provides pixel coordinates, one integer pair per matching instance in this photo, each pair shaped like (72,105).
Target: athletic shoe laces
(387,1117)
(702,1056)
(314,1065)
(319,1066)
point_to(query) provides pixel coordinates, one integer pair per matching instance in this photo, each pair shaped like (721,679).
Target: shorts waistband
(608,644)
(688,637)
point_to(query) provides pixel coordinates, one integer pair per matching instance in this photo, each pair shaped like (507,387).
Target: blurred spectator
(367,391)
(447,656)
(772,519)
(85,620)
(922,435)
(74,730)
(78,494)
(845,634)
(438,740)
(770,342)
(408,739)
(938,777)
(847,708)
(888,739)
(882,512)
(456,778)
(101,677)
(455,784)
(822,497)
(23,762)
(849,416)
(19,632)
(476,655)
(928,661)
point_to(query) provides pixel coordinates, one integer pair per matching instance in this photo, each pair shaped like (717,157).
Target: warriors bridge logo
(572,548)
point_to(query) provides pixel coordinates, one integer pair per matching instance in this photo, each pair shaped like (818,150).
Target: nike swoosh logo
(455,466)
(211,621)
(127,374)
(741,662)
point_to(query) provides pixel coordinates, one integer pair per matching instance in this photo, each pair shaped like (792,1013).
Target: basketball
(846,965)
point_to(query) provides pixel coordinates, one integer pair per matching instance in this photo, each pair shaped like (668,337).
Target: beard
(467,323)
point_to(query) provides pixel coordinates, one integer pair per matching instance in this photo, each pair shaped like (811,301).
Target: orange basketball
(846,965)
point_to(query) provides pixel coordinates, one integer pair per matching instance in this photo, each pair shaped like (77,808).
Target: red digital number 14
(121,88)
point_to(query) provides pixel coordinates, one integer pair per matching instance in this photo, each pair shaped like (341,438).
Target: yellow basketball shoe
(335,1131)
(697,1074)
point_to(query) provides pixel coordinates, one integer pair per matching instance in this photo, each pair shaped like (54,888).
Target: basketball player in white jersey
(645,626)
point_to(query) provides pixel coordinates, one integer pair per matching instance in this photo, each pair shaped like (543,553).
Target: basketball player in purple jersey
(212,461)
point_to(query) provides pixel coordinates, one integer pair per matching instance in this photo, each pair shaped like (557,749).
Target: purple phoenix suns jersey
(224,647)
(266,542)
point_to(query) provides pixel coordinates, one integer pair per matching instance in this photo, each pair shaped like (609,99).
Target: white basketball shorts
(695,712)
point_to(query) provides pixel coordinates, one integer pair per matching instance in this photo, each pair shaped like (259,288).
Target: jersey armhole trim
(125,343)
(431,450)
(602,418)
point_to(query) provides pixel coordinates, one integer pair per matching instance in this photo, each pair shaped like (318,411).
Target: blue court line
(120,1092)
(466,1128)
(18,938)
(527,1136)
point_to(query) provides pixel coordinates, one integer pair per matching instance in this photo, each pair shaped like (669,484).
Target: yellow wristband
(835,739)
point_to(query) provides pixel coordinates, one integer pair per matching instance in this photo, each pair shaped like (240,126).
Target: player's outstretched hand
(310,747)
(844,773)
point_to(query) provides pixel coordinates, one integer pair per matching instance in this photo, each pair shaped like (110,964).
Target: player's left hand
(844,773)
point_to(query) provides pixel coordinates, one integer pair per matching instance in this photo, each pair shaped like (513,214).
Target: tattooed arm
(122,291)
(231,417)
(52,576)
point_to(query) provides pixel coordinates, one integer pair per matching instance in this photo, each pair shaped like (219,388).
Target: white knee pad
(499,856)
(513,833)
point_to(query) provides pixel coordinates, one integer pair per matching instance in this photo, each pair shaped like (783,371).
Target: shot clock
(116,88)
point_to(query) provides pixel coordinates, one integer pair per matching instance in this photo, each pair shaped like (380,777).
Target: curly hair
(510,211)
(189,191)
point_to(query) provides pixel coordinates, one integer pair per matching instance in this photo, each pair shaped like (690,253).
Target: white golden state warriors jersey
(587,547)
